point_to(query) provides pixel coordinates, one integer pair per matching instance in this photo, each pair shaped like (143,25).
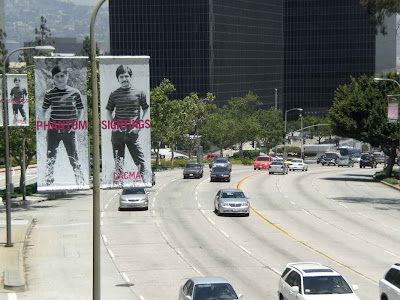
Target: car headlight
(226,175)
(245,204)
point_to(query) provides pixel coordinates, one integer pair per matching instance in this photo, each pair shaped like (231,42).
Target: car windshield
(330,155)
(262,159)
(233,194)
(379,155)
(326,285)
(133,191)
(214,291)
(276,163)
(365,156)
(220,169)
(221,160)
(192,166)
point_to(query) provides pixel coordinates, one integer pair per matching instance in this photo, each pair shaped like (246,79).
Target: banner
(393,108)
(1,101)
(61,123)
(125,121)
(17,95)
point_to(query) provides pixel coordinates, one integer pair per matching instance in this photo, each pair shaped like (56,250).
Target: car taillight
(370,159)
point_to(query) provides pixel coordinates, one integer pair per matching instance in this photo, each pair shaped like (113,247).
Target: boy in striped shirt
(66,107)
(126,101)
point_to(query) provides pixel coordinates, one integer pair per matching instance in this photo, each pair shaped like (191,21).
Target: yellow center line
(294,238)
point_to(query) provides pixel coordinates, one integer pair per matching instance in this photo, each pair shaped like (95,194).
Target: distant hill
(64,19)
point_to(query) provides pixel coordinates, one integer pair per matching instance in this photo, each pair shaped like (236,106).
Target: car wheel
(146,208)
(302,170)
(217,212)
(259,169)
(255,168)
(360,167)
(120,209)
(280,297)
(269,173)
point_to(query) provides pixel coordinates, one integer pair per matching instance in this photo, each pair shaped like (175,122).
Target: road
(336,216)
(31,176)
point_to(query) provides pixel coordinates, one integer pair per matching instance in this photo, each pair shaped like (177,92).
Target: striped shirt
(127,103)
(18,94)
(64,103)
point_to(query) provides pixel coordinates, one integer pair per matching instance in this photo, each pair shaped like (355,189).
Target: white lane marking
(154,213)
(245,250)
(391,253)
(158,224)
(126,278)
(197,271)
(293,203)
(11,296)
(341,204)
(154,199)
(224,233)
(305,211)
(111,253)
(196,193)
(361,214)
(115,194)
(102,214)
(105,207)
(202,211)
(179,252)
(276,271)
(104,239)
(164,236)
(152,205)
(198,204)
(211,221)
(142,298)
(101,223)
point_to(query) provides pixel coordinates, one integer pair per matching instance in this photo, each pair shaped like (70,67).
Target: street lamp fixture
(284,147)
(46,49)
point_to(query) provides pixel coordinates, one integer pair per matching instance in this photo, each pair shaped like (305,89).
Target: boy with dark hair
(18,98)
(126,102)
(66,107)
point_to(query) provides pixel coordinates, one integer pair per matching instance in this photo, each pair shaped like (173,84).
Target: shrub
(247,161)
(310,154)
(251,154)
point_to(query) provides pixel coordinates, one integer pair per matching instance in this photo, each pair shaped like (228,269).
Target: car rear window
(192,166)
(364,156)
(262,159)
(276,163)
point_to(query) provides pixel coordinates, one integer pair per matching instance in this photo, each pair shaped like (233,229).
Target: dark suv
(367,160)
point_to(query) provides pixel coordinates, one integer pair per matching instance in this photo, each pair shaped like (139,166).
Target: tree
(159,98)
(217,129)
(86,49)
(41,38)
(246,125)
(3,50)
(378,10)
(271,127)
(359,111)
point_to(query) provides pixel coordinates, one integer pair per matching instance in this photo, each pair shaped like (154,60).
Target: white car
(389,285)
(298,164)
(310,280)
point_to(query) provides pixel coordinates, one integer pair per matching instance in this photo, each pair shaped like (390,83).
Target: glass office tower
(326,42)
(227,47)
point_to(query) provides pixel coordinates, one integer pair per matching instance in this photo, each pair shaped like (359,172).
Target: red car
(262,162)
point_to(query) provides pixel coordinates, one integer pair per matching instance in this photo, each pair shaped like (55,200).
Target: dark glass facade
(326,42)
(227,47)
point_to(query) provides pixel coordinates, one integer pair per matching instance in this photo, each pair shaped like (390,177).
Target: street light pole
(96,284)
(6,137)
(284,145)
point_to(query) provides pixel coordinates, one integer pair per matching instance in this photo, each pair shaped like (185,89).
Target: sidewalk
(12,269)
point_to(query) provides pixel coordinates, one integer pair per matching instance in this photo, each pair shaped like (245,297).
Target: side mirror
(294,289)
(355,287)
(240,296)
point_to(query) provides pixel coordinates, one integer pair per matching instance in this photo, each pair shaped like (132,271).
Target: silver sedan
(231,201)
(134,198)
(207,288)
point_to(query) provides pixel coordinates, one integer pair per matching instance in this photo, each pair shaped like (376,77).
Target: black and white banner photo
(17,95)
(125,121)
(61,123)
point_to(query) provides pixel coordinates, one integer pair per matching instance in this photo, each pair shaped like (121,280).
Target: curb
(396,187)
(14,279)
